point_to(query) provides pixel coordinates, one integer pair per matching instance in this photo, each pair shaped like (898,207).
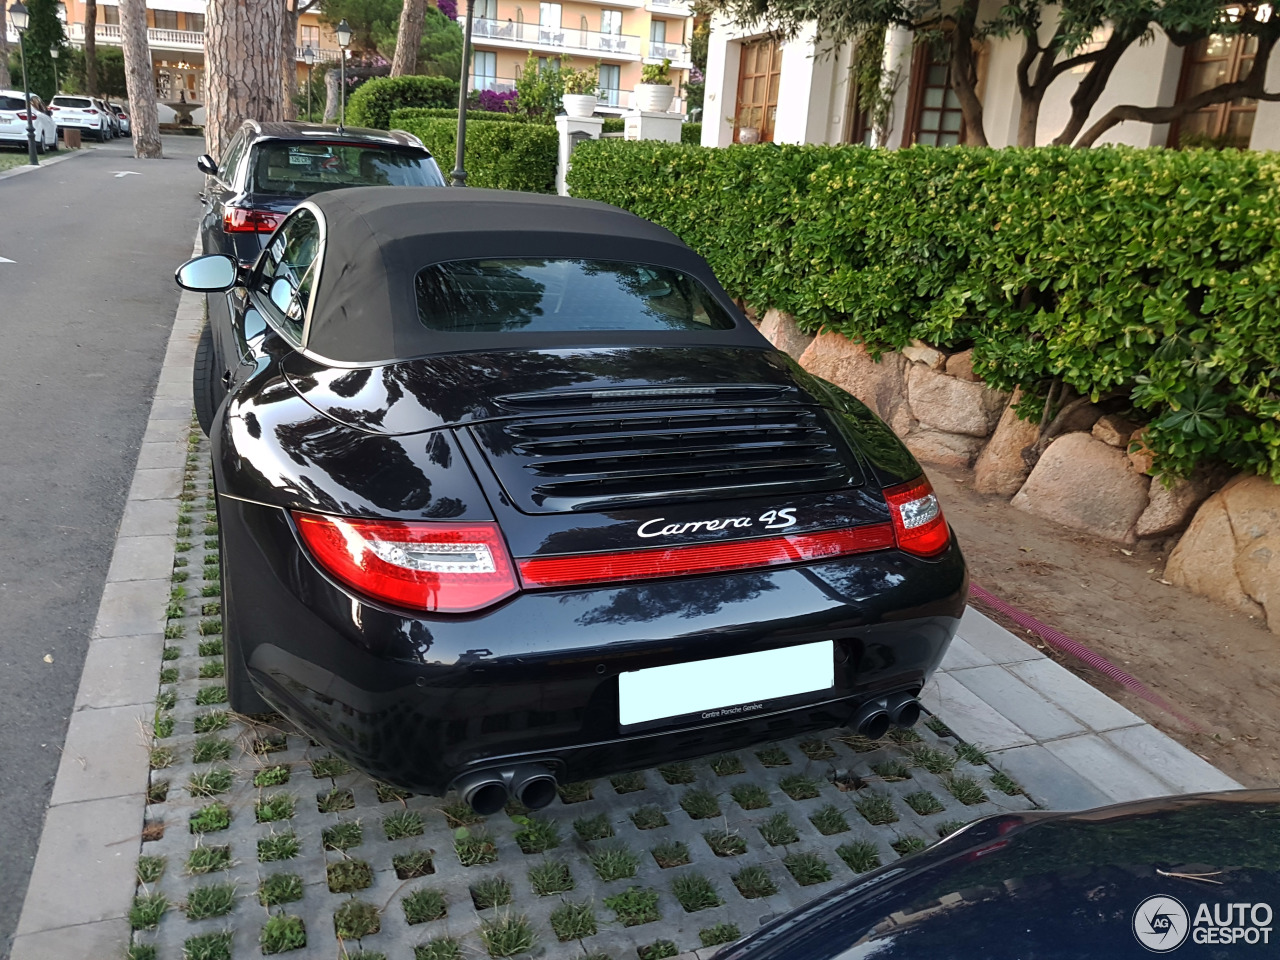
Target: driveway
(85,312)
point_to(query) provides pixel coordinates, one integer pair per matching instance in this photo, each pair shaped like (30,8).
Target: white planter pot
(580,104)
(654,97)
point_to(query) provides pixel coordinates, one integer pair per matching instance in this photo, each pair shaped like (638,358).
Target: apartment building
(621,36)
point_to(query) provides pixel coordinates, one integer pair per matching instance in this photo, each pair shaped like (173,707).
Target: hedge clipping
(1149,274)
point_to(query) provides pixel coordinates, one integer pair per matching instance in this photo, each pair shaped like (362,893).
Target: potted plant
(580,88)
(654,91)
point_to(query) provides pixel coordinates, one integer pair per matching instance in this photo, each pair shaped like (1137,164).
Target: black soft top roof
(378,238)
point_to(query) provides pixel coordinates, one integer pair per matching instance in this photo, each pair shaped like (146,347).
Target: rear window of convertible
(562,295)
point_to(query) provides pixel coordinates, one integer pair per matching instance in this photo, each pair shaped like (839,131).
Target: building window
(195,22)
(1206,64)
(165,19)
(611,21)
(549,15)
(309,36)
(611,84)
(485,69)
(935,118)
(658,31)
(487,10)
(108,14)
(759,73)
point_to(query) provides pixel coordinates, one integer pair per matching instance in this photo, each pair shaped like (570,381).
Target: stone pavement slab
(1111,771)
(104,755)
(132,607)
(99,940)
(118,670)
(1169,760)
(1027,708)
(973,718)
(1086,703)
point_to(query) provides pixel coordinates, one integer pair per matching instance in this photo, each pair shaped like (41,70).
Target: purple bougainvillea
(496,102)
(449,8)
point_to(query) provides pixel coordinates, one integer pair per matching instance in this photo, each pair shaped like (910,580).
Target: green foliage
(501,155)
(440,49)
(540,89)
(375,100)
(656,73)
(586,81)
(1151,275)
(407,115)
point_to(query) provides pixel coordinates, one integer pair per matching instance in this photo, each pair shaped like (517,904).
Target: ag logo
(1161,923)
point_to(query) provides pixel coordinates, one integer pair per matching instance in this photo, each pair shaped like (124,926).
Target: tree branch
(1251,87)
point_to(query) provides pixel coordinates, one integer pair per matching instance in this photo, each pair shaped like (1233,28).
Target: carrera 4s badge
(771,519)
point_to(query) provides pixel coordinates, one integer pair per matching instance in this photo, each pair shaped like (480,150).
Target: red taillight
(92,111)
(438,567)
(22,116)
(53,109)
(245,220)
(703,557)
(918,522)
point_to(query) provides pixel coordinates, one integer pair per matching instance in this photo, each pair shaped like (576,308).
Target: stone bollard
(71,138)
(573,130)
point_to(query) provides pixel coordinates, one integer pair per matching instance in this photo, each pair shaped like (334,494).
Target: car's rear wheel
(206,386)
(241,695)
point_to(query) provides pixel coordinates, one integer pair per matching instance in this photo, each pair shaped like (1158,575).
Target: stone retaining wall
(1095,476)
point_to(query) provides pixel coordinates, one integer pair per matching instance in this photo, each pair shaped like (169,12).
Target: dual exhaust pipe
(874,719)
(487,791)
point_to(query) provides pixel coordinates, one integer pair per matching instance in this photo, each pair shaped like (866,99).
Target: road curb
(27,168)
(82,883)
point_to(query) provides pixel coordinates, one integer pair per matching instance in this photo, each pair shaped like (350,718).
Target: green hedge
(375,100)
(1147,274)
(691,133)
(506,156)
(409,114)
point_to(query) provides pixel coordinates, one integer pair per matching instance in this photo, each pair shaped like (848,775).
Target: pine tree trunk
(242,67)
(91,47)
(332,81)
(4,48)
(409,38)
(289,60)
(144,123)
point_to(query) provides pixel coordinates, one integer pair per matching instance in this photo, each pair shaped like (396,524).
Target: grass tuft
(209,859)
(948,827)
(677,773)
(807,868)
(937,726)
(924,803)
(210,670)
(282,933)
(402,824)
(475,849)
(214,900)
(460,815)
(211,749)
(778,830)
(423,906)
(208,946)
(695,892)
(799,787)
(1005,784)
(634,906)
(628,782)
(276,776)
(415,863)
(971,753)
(891,771)
(575,792)
(210,819)
(161,757)
(658,950)
(700,804)
(348,876)
(909,843)
(932,759)
(725,843)
(147,910)
(275,806)
(170,653)
(965,789)
(163,727)
(278,846)
(754,883)
(876,807)
(335,800)
(816,749)
(593,828)
(727,765)
(537,835)
(507,934)
(150,869)
(773,757)
(342,836)
(829,821)
(672,853)
(442,948)
(649,818)
(329,766)
(356,919)
(904,735)
(859,855)
(750,796)
(573,921)
(550,877)
(491,892)
(279,888)
(207,696)
(388,793)
(212,721)
(720,933)
(615,863)
(158,791)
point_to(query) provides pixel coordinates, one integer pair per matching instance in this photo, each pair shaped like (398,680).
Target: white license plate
(725,687)
(8,120)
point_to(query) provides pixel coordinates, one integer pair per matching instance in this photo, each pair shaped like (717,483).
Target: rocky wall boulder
(943,449)
(950,405)
(1231,551)
(881,385)
(1085,484)
(783,332)
(1001,468)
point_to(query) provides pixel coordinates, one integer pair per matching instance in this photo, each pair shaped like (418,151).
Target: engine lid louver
(594,462)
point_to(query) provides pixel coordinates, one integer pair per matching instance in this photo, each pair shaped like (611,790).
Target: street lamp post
(21,19)
(459,174)
(343,31)
(53,52)
(309,58)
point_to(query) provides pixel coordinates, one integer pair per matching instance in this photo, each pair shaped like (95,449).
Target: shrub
(500,154)
(400,119)
(373,103)
(691,133)
(1152,276)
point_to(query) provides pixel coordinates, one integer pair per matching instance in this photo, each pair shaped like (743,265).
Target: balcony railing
(563,38)
(494,84)
(676,7)
(675,52)
(163,39)
(322,55)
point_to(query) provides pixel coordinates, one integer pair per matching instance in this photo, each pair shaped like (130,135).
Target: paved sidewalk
(154,766)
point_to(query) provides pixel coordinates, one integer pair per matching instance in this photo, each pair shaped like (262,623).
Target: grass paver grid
(194,696)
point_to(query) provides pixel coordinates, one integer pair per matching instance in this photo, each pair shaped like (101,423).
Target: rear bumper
(418,701)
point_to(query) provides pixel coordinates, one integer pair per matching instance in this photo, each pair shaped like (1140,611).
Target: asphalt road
(85,313)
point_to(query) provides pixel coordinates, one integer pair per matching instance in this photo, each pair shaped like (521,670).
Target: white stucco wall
(1266,125)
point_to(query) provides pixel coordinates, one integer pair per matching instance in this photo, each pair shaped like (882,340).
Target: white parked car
(122,116)
(80,113)
(13,122)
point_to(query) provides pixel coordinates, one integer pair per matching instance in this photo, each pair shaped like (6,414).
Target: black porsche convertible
(510,493)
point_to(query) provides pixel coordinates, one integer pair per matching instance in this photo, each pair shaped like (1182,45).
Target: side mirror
(209,274)
(206,164)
